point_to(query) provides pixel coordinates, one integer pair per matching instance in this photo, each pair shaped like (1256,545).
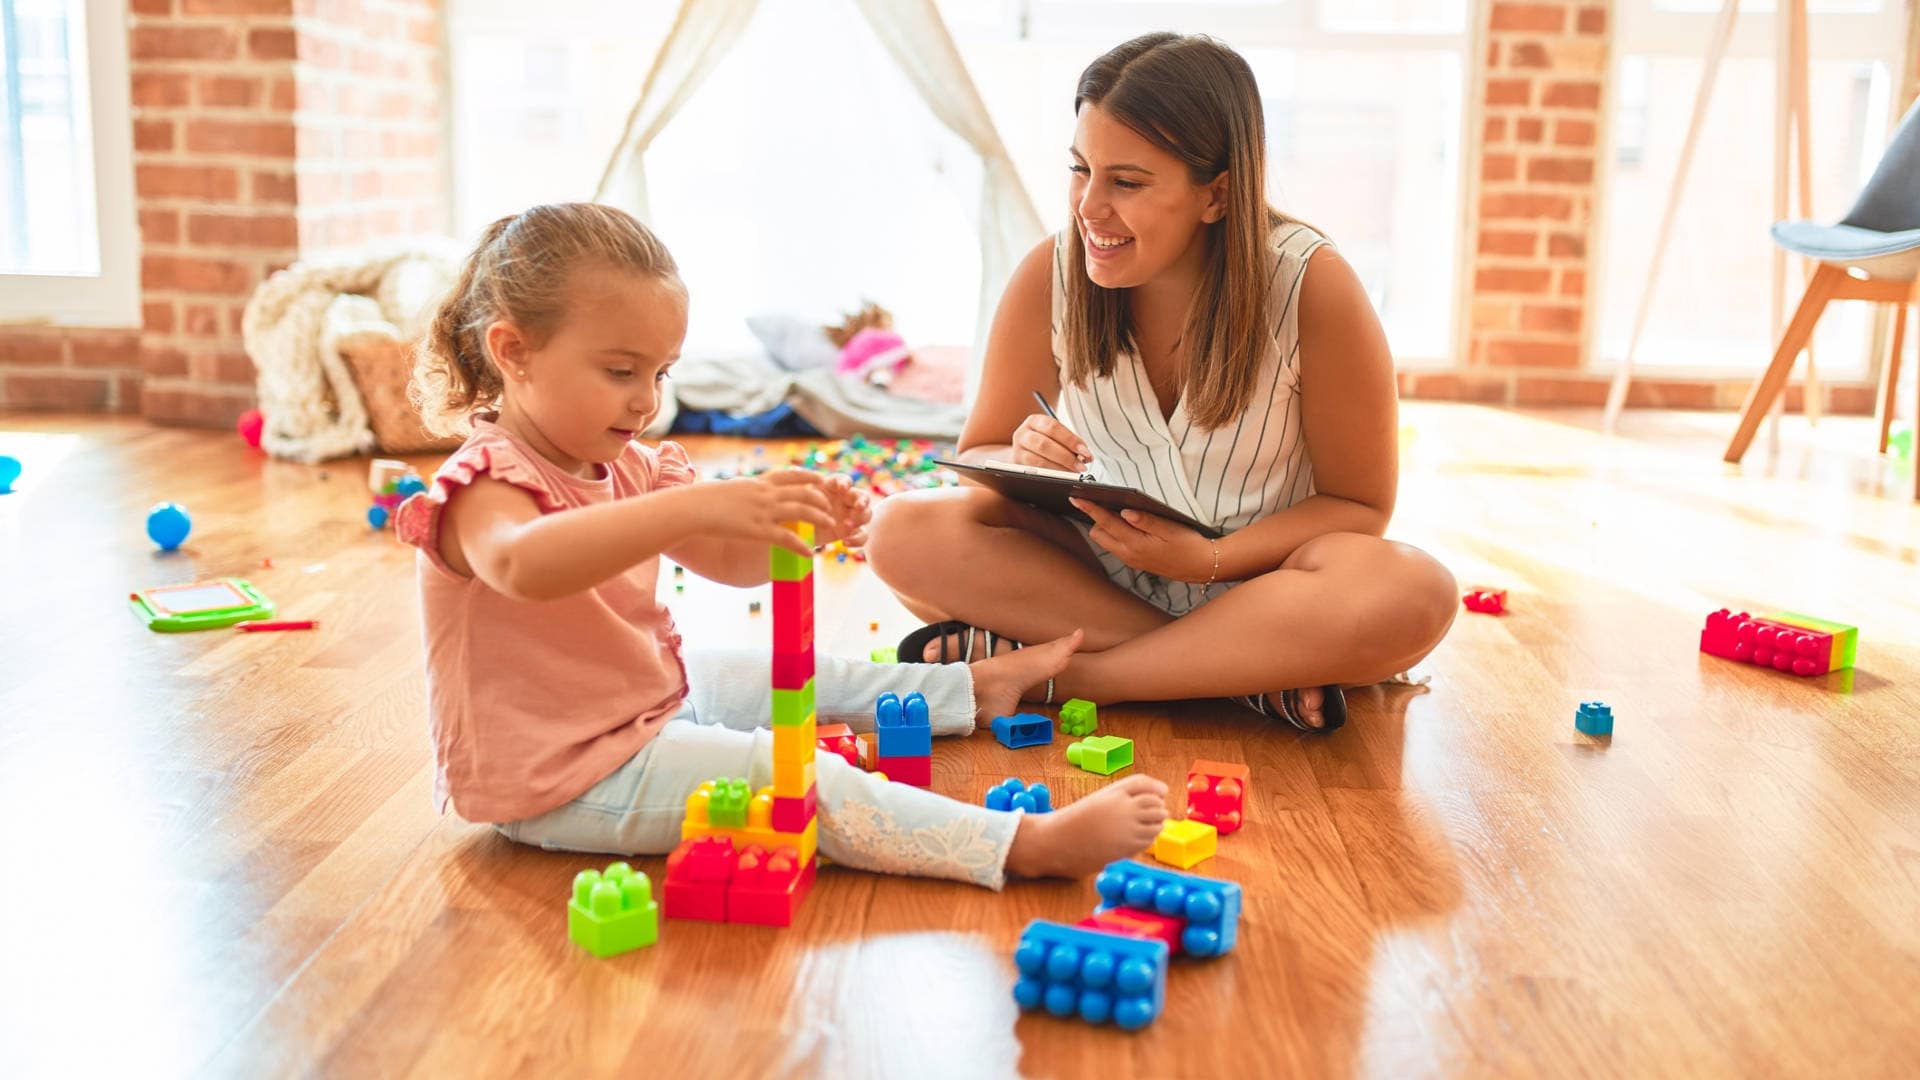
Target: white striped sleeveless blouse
(1229,477)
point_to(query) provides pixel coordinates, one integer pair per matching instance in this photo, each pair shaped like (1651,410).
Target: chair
(1871,254)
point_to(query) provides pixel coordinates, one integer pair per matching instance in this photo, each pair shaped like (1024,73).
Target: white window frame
(1641,30)
(110,298)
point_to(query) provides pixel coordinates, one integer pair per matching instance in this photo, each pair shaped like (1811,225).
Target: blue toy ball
(9,472)
(168,525)
(377,516)
(410,485)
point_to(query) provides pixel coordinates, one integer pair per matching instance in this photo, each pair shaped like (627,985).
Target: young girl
(562,708)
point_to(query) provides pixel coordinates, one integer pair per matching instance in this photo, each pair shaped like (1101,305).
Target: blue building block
(902,727)
(1022,730)
(1014,794)
(1095,976)
(1210,906)
(1594,718)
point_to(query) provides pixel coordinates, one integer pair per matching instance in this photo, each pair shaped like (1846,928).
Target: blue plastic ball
(410,485)
(168,525)
(377,516)
(9,472)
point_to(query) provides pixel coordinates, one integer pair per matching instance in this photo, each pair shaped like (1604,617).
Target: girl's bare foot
(1001,682)
(1115,822)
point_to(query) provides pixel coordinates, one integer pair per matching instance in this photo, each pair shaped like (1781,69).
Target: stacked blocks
(840,739)
(1112,966)
(1022,730)
(1013,794)
(903,734)
(1097,976)
(1103,754)
(1185,843)
(1486,601)
(751,859)
(614,912)
(1217,794)
(1783,641)
(1594,718)
(1079,718)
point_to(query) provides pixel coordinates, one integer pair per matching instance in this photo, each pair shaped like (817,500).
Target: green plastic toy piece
(614,912)
(203,605)
(792,707)
(888,655)
(727,806)
(789,566)
(1103,754)
(1079,717)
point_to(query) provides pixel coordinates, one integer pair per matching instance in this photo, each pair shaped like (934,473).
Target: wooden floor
(221,858)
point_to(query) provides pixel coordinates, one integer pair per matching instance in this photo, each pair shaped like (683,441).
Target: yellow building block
(806,842)
(1184,843)
(796,742)
(791,779)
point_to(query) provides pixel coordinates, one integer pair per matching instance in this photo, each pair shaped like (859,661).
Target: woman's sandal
(1333,709)
(913,647)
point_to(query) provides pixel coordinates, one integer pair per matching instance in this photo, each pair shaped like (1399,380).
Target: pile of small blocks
(1014,794)
(1113,964)
(612,912)
(903,739)
(1022,730)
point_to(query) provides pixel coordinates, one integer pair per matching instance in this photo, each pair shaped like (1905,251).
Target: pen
(1056,416)
(296,624)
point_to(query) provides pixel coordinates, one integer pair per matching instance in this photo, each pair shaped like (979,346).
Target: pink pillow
(873,352)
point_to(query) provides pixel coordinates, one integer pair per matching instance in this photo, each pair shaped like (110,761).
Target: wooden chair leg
(1821,289)
(1890,377)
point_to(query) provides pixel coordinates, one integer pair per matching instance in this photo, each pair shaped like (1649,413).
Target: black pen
(1056,418)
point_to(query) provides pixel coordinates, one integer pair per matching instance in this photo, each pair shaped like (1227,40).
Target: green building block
(888,655)
(792,707)
(788,566)
(1079,717)
(1103,754)
(614,912)
(727,806)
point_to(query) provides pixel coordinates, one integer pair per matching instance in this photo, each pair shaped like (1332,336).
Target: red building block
(1486,601)
(1217,794)
(1134,922)
(839,739)
(793,615)
(768,886)
(791,670)
(791,815)
(917,771)
(698,872)
(1770,642)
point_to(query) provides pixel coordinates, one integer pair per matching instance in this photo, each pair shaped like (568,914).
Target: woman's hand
(1150,543)
(1041,440)
(759,507)
(852,511)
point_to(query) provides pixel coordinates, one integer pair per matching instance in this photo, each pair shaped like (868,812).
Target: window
(68,245)
(1710,310)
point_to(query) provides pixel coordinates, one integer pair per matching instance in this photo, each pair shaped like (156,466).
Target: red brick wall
(264,131)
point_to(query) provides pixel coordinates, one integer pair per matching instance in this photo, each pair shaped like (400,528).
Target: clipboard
(1050,490)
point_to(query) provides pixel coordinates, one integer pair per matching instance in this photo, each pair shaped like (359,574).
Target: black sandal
(913,648)
(1333,709)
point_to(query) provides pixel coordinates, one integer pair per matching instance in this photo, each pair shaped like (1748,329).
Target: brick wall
(264,131)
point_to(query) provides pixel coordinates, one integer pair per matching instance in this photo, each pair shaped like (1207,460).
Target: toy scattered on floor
(753,860)
(1079,717)
(612,912)
(1014,794)
(261,627)
(1217,794)
(839,739)
(888,655)
(168,525)
(1185,843)
(203,605)
(753,607)
(1594,718)
(903,739)
(1113,965)
(1783,641)
(9,472)
(250,425)
(1486,601)
(392,483)
(1022,730)
(873,628)
(1900,441)
(1103,754)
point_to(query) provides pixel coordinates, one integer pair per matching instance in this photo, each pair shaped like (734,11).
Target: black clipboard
(1051,493)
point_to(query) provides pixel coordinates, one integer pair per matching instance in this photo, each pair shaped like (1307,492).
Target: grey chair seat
(1889,255)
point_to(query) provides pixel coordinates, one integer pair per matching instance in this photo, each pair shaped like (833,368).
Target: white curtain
(702,33)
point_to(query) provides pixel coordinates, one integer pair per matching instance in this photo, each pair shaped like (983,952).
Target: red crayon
(296,624)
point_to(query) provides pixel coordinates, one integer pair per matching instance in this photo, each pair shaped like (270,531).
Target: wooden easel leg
(1890,377)
(1767,389)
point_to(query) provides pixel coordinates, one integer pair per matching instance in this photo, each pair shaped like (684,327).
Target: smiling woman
(1197,359)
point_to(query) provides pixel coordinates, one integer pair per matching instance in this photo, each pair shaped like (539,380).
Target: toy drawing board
(202,605)
(1052,493)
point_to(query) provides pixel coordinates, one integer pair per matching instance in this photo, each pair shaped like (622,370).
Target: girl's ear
(1216,206)
(508,348)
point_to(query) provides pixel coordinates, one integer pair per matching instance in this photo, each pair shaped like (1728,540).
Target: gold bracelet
(1216,562)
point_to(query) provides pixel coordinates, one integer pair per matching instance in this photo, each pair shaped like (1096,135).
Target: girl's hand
(1041,440)
(758,507)
(852,509)
(1150,543)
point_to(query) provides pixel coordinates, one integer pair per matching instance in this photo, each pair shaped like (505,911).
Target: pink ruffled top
(532,703)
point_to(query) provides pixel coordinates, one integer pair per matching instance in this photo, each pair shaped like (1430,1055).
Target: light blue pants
(721,730)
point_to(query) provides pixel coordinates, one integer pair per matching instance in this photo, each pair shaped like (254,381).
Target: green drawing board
(203,605)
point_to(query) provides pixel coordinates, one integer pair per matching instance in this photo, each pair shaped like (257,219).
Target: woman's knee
(1400,600)
(905,525)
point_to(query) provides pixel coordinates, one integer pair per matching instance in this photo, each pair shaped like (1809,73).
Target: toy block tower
(794,727)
